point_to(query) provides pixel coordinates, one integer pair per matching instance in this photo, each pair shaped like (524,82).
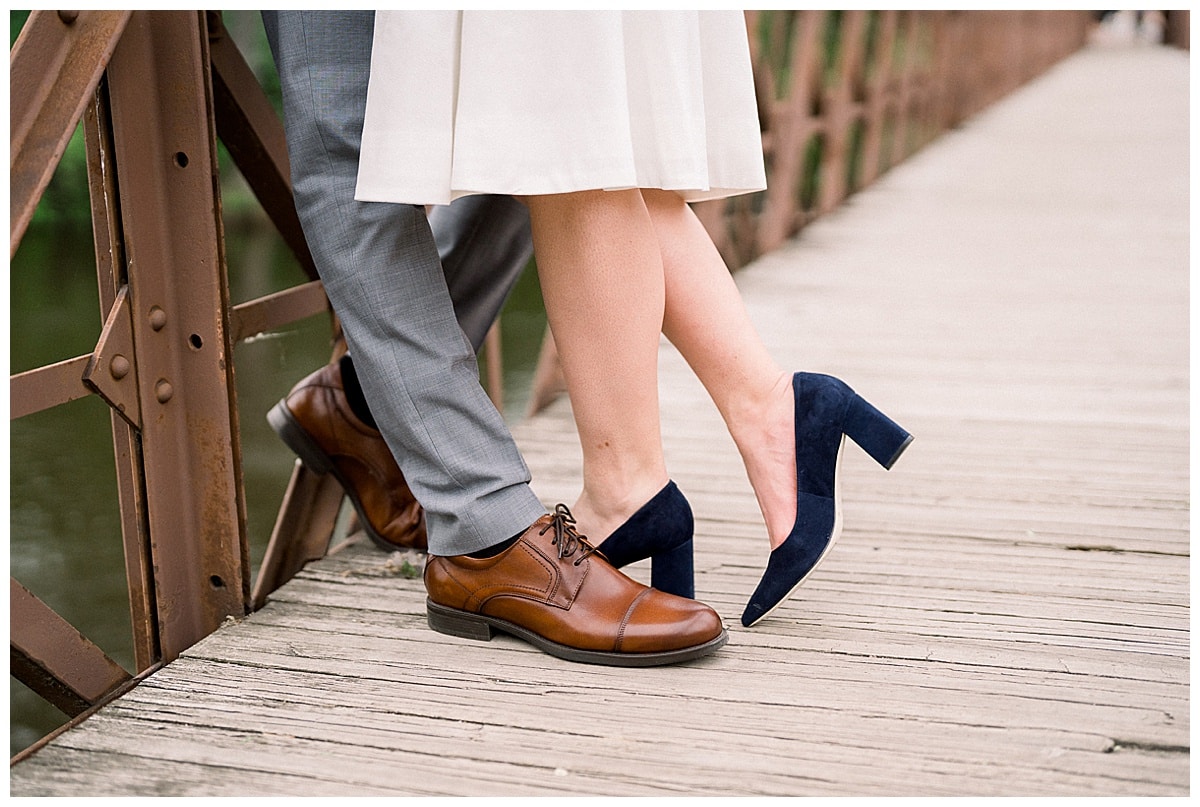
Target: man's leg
(382,274)
(484,243)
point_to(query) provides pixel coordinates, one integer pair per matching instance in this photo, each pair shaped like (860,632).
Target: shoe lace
(566,537)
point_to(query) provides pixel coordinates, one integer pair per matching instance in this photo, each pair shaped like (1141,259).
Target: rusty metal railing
(153,89)
(842,97)
(845,95)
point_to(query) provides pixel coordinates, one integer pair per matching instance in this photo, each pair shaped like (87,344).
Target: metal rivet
(163,390)
(158,318)
(118,367)
(68,16)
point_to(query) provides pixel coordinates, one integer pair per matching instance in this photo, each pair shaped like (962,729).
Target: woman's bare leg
(706,320)
(602,281)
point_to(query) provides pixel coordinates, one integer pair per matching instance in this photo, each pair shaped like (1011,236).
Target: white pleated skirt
(529,103)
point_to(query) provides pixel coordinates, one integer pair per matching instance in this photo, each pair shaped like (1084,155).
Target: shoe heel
(673,571)
(457,623)
(877,434)
(297,439)
(661,530)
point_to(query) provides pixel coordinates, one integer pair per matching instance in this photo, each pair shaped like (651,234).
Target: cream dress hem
(531,103)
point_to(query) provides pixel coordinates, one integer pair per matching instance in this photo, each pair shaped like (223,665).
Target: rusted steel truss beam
(305,523)
(250,128)
(44,387)
(164,161)
(162,358)
(276,310)
(53,69)
(112,282)
(54,659)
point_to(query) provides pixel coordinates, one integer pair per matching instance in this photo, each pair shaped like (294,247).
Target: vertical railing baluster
(165,157)
(111,277)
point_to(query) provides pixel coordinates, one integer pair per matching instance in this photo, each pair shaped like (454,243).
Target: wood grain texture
(1007,612)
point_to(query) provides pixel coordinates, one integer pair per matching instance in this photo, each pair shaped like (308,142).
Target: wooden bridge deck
(1007,611)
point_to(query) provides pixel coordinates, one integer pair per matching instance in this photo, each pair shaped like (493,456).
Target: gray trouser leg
(381,271)
(484,243)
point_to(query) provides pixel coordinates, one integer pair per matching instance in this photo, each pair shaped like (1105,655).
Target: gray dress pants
(382,273)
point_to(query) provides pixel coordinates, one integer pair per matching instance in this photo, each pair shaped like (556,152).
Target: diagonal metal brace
(54,659)
(53,69)
(112,371)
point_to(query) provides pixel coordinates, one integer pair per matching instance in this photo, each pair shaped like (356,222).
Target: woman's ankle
(601,509)
(756,414)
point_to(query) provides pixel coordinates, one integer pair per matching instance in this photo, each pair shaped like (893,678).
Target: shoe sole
(294,436)
(833,536)
(465,625)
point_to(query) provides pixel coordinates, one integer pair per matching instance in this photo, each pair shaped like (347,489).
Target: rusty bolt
(68,16)
(163,390)
(158,318)
(118,367)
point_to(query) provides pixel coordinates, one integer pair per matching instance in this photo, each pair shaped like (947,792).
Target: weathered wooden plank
(453,711)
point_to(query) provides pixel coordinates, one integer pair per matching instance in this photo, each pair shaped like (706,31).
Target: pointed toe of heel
(827,410)
(791,563)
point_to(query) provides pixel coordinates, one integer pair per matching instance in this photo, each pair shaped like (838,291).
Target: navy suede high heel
(662,531)
(827,410)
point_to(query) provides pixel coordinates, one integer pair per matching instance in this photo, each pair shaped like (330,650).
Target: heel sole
(453,622)
(907,442)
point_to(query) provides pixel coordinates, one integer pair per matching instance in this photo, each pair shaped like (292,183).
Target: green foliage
(831,40)
(810,178)
(16,21)
(776,35)
(854,165)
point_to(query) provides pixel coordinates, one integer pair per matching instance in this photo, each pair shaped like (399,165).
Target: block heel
(453,622)
(874,432)
(673,571)
(661,530)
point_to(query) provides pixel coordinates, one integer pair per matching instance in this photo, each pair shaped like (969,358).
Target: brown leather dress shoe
(552,589)
(316,422)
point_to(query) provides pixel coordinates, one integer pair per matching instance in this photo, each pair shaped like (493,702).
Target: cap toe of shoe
(663,622)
